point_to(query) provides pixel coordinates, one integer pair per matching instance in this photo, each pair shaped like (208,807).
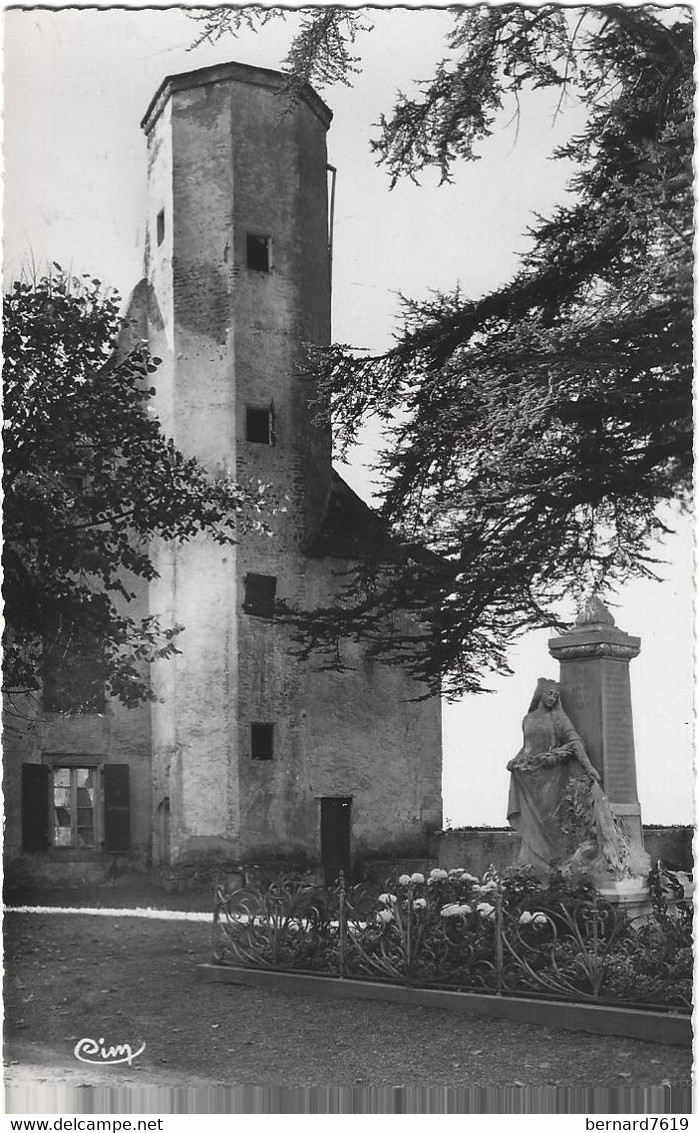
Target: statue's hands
(511,765)
(593,773)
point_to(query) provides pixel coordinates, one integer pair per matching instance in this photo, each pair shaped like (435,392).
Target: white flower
(438,874)
(526,918)
(539,919)
(485,910)
(385,915)
(417,878)
(488,887)
(386,899)
(456,872)
(420,903)
(455,910)
(404,879)
(469,877)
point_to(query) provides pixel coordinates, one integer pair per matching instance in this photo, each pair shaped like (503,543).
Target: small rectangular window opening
(160,227)
(259,426)
(73,670)
(76,482)
(262,741)
(258,252)
(260,595)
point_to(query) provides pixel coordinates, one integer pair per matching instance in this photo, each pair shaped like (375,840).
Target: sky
(76,85)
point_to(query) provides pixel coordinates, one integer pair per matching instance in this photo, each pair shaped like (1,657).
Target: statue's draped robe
(537,787)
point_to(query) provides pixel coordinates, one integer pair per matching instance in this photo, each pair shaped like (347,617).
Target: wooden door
(335,823)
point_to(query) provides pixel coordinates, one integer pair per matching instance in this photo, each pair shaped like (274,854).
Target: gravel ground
(132,981)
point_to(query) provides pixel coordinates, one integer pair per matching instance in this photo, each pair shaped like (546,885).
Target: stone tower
(255,756)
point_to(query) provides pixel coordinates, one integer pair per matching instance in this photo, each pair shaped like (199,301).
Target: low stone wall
(475,848)
(672,845)
(75,868)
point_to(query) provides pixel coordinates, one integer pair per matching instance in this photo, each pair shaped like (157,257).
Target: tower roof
(230,72)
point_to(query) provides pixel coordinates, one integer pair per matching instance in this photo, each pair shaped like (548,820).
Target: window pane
(62,807)
(74,806)
(86,833)
(86,806)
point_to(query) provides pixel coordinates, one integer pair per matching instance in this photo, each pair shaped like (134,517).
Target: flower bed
(503,934)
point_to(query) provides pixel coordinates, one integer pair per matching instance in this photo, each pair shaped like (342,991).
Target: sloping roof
(349,528)
(230,72)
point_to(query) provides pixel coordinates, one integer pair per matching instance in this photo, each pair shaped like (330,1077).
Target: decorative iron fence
(504,935)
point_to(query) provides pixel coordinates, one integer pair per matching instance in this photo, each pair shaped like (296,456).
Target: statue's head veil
(542,685)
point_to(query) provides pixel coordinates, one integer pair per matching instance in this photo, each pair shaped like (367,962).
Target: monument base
(628,817)
(629,896)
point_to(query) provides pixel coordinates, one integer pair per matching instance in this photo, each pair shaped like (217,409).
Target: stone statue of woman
(556,803)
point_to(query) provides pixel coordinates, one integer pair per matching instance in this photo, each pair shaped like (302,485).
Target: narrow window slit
(262,741)
(258,252)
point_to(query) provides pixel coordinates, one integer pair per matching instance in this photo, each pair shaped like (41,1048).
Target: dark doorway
(162,833)
(335,816)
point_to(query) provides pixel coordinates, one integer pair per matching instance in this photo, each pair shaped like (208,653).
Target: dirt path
(129,980)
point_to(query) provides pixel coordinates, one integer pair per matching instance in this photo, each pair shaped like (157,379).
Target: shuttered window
(74,796)
(73,670)
(73,807)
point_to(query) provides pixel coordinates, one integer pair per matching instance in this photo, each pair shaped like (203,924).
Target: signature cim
(95,1052)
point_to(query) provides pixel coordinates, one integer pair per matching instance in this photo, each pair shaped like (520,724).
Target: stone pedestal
(629,897)
(596,694)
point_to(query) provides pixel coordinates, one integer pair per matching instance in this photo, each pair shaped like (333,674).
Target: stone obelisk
(595,690)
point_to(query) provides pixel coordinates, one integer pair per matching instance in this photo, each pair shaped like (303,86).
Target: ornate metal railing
(495,937)
(288,925)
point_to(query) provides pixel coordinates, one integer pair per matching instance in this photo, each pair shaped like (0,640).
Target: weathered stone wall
(190,324)
(117,735)
(476,848)
(358,733)
(224,162)
(672,845)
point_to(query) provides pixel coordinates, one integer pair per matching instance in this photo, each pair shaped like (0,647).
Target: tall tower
(246,745)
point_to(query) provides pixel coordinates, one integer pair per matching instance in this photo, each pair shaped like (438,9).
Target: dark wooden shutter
(35,806)
(117,807)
